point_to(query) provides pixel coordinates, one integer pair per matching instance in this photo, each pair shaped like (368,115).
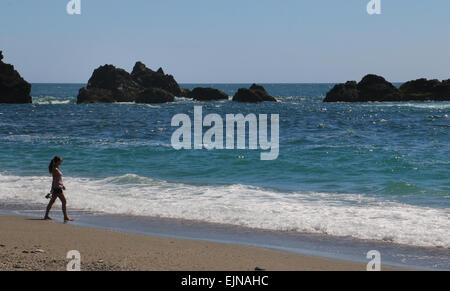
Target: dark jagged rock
(208,94)
(371,88)
(443,91)
(423,89)
(255,94)
(185,93)
(246,95)
(13,88)
(262,93)
(340,92)
(258,87)
(147,78)
(112,78)
(374,88)
(95,95)
(109,84)
(154,96)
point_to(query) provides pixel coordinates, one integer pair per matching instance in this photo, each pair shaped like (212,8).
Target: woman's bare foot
(68,219)
(48,218)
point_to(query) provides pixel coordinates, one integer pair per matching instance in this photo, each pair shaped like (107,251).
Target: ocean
(372,171)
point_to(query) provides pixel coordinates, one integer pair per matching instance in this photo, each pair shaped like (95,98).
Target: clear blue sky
(229,40)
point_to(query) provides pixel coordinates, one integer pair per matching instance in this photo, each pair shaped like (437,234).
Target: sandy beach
(33,244)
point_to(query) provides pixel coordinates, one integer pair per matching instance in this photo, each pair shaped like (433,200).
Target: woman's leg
(64,207)
(49,207)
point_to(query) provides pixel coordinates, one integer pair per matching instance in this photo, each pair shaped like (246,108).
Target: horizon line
(220,83)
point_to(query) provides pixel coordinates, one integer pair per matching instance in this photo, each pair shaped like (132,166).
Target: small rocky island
(109,84)
(373,88)
(13,88)
(207,94)
(255,94)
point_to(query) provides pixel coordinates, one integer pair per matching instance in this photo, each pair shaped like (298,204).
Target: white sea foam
(420,105)
(428,105)
(50,100)
(357,216)
(183,99)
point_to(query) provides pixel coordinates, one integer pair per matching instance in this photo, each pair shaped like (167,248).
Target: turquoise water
(371,171)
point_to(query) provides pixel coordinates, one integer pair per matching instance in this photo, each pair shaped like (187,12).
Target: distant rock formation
(96,95)
(185,93)
(13,88)
(109,84)
(376,88)
(255,94)
(373,88)
(423,89)
(207,94)
(147,79)
(347,92)
(154,96)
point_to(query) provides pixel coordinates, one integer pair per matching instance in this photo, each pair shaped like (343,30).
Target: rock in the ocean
(155,96)
(341,92)
(371,88)
(208,94)
(374,88)
(13,88)
(109,84)
(423,90)
(111,78)
(95,95)
(255,94)
(146,78)
(185,93)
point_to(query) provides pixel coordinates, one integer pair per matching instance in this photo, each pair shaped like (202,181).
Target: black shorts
(57,191)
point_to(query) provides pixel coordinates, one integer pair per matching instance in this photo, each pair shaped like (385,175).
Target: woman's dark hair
(53,163)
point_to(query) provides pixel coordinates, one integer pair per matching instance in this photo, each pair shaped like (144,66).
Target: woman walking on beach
(57,188)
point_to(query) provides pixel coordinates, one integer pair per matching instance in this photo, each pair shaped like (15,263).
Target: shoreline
(340,249)
(28,243)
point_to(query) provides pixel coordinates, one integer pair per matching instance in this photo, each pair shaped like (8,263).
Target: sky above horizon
(245,41)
